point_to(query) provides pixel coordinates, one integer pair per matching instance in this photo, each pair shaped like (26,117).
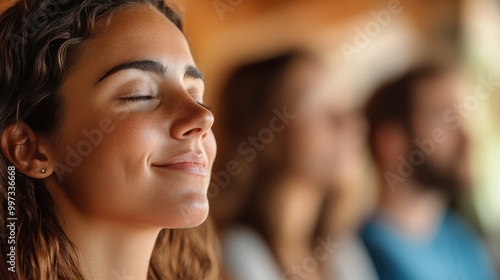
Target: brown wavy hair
(39,43)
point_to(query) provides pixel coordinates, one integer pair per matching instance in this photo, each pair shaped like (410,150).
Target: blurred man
(421,151)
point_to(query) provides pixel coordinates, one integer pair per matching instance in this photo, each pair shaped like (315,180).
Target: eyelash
(137,98)
(149,97)
(204,106)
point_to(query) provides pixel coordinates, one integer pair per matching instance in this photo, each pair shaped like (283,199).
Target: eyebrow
(193,72)
(151,66)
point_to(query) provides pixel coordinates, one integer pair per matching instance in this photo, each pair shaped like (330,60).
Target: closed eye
(138,98)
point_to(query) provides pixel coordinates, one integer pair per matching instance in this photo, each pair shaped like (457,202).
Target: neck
(111,252)
(413,210)
(107,249)
(295,207)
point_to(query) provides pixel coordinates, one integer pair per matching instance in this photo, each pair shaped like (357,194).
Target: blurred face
(448,165)
(136,144)
(322,126)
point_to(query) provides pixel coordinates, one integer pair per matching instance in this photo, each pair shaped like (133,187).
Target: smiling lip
(189,163)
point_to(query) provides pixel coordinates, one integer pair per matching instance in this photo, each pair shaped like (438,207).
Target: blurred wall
(224,34)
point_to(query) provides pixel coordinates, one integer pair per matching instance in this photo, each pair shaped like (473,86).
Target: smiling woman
(106,144)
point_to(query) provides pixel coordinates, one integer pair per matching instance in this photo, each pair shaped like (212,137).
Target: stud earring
(43,170)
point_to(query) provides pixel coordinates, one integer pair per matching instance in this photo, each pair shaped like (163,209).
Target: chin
(192,220)
(194,212)
(198,220)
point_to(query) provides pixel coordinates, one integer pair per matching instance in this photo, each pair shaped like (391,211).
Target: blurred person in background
(421,151)
(284,126)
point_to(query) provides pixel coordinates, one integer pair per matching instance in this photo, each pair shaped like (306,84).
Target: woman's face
(136,144)
(323,121)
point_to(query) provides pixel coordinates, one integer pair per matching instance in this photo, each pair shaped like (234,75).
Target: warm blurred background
(363,50)
(227,33)
(364,43)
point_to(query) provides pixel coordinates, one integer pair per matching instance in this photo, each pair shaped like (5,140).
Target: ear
(25,151)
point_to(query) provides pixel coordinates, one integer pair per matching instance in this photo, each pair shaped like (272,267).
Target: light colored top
(247,257)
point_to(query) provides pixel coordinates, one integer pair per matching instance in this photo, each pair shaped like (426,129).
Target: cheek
(313,143)
(319,138)
(112,178)
(447,153)
(97,164)
(114,144)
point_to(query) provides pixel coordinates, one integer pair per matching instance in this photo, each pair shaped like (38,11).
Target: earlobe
(23,150)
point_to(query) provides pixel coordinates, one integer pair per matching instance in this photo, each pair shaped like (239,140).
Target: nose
(193,121)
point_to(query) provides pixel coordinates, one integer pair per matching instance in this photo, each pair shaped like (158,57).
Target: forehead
(135,33)
(442,89)
(318,86)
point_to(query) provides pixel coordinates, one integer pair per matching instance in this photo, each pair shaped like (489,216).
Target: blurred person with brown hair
(421,151)
(275,199)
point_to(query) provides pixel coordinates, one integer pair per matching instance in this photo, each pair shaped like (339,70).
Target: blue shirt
(454,253)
